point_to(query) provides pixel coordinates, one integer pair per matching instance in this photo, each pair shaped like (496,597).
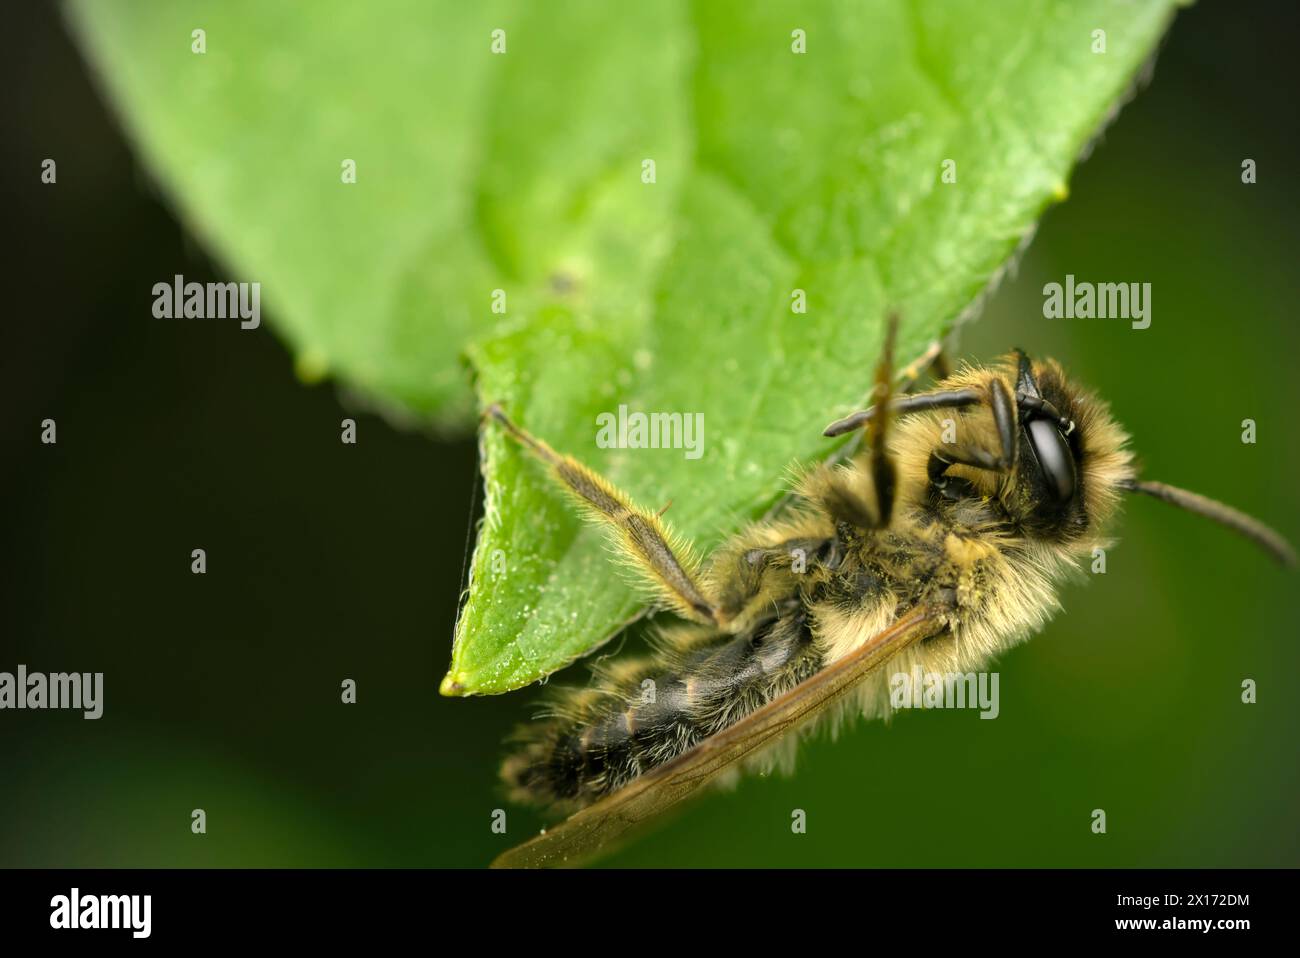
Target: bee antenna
(1248,526)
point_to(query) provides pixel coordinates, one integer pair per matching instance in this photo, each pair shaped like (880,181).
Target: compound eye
(1054,457)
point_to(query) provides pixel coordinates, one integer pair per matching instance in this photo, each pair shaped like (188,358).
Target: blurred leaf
(474,171)
(522,172)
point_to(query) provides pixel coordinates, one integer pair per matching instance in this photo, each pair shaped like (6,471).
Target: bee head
(1071,457)
(1073,464)
(1043,448)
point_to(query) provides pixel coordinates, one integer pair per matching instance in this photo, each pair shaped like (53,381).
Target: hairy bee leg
(840,498)
(884,472)
(844,503)
(639,533)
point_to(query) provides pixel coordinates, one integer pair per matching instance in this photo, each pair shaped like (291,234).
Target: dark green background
(326,561)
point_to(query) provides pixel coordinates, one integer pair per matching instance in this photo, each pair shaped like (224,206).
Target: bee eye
(1054,457)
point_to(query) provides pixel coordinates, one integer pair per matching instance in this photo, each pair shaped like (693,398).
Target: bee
(936,546)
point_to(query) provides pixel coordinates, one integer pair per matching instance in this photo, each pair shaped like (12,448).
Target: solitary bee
(936,547)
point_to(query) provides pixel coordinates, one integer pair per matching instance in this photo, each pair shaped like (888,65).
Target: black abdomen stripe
(660,712)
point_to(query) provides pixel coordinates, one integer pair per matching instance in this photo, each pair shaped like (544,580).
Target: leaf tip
(311,366)
(453,685)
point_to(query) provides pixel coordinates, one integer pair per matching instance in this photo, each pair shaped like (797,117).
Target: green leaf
(523,172)
(250,136)
(472,173)
(819,172)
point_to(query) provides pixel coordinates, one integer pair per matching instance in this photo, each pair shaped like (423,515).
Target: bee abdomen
(654,711)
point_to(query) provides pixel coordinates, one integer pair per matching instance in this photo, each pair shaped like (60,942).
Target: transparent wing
(599,828)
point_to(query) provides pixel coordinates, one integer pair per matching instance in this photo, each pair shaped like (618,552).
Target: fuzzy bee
(939,545)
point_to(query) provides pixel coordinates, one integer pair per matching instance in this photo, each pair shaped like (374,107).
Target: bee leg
(638,533)
(1037,406)
(884,472)
(960,455)
(933,359)
(940,368)
(854,505)
(842,495)
(1004,417)
(902,405)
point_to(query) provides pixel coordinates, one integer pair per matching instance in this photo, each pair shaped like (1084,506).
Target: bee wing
(594,829)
